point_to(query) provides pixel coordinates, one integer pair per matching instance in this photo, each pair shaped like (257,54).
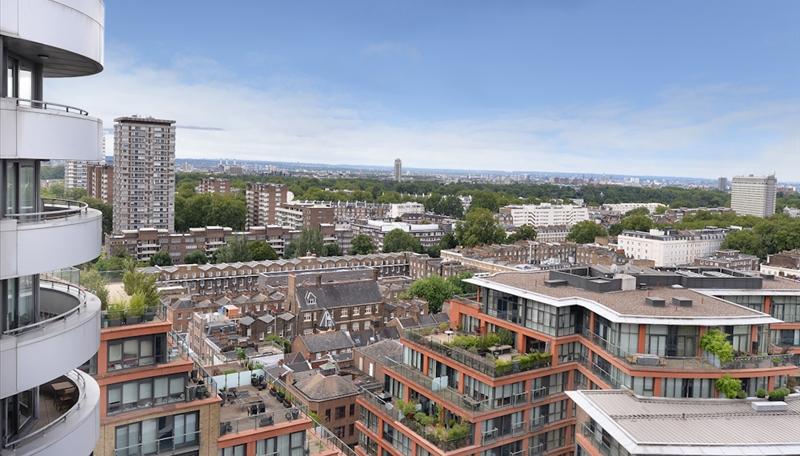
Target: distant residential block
(754,195)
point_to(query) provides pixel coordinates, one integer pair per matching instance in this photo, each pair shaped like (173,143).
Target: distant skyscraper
(144,173)
(75,174)
(754,195)
(398,168)
(722,184)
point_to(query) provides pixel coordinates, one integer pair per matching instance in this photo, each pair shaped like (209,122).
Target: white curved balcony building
(47,328)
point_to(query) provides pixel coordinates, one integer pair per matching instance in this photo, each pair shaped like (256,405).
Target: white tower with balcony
(47,328)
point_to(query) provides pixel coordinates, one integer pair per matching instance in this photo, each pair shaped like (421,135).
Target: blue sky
(678,88)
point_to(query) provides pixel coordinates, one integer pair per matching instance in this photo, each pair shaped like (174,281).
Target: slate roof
(267,318)
(388,348)
(337,294)
(334,340)
(318,387)
(246,321)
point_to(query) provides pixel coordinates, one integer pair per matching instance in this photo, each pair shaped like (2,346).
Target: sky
(678,88)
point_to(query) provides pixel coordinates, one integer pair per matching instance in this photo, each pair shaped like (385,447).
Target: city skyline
(448,89)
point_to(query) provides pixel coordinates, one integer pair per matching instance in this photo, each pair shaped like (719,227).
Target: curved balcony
(65,35)
(65,335)
(43,131)
(69,418)
(63,233)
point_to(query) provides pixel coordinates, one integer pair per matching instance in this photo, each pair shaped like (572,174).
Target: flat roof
(624,303)
(645,425)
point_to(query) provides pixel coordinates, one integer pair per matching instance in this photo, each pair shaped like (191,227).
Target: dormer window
(311,299)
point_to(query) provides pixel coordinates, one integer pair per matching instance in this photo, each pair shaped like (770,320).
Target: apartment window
(238,450)
(340,412)
(145,393)
(356,311)
(20,302)
(285,445)
(135,352)
(163,434)
(352,409)
(327,415)
(307,316)
(344,313)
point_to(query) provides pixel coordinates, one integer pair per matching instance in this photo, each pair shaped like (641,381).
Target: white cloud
(699,131)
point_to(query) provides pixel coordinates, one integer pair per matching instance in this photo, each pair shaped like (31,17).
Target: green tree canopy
(584,232)
(635,222)
(449,205)
(485,200)
(479,227)
(261,251)
(525,232)
(96,284)
(195,257)
(161,258)
(309,242)
(233,251)
(398,240)
(463,287)
(105,209)
(331,249)
(362,245)
(448,242)
(433,289)
(139,282)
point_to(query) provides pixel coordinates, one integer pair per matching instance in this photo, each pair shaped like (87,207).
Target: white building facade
(398,210)
(546,214)
(48,328)
(671,248)
(754,195)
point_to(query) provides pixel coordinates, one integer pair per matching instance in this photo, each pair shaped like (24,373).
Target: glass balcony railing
(50,209)
(644,360)
(164,445)
(505,364)
(59,301)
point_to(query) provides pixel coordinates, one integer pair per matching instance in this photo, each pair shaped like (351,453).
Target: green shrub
(457,431)
(761,392)
(116,310)
(741,395)
(779,394)
(137,305)
(729,386)
(424,419)
(716,342)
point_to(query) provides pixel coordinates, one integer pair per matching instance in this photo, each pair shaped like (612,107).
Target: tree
(96,284)
(463,287)
(729,386)
(484,200)
(746,241)
(435,290)
(309,242)
(106,209)
(584,232)
(448,241)
(638,211)
(140,282)
(196,257)
(362,245)
(233,251)
(524,233)
(635,222)
(398,240)
(161,258)
(261,250)
(331,249)
(479,227)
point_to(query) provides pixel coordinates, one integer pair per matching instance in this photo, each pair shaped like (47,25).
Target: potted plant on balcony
(717,347)
(779,394)
(136,308)
(730,387)
(115,314)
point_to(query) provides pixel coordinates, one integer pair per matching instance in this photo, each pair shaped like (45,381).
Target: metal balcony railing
(39,104)
(51,209)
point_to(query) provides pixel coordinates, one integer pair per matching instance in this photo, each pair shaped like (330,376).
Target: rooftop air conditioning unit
(656,301)
(681,301)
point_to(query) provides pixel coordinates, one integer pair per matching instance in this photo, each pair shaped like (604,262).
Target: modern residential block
(144,173)
(754,195)
(48,327)
(213,185)
(263,200)
(545,214)
(495,378)
(100,182)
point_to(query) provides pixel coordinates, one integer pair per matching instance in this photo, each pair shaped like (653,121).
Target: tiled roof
(319,387)
(327,341)
(338,294)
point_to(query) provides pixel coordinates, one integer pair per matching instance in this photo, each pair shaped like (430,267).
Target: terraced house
(493,380)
